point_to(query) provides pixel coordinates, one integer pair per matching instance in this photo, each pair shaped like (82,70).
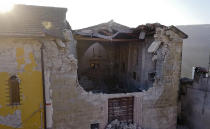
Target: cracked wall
(77,109)
(69,105)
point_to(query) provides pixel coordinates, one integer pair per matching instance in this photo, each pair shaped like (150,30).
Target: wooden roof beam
(106,40)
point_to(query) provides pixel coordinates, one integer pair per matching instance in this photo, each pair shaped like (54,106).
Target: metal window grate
(121,109)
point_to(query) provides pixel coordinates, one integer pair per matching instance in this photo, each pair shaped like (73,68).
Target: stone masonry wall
(195,104)
(73,108)
(160,105)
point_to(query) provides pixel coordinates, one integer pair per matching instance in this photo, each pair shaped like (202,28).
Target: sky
(84,13)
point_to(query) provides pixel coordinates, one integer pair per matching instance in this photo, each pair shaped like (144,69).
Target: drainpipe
(43,83)
(193,72)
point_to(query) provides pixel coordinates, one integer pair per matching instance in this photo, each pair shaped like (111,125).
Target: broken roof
(114,31)
(33,21)
(109,30)
(179,32)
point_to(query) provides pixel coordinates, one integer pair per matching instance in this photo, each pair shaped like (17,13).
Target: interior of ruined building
(115,64)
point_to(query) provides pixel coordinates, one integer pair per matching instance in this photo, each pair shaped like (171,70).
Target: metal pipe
(193,72)
(43,83)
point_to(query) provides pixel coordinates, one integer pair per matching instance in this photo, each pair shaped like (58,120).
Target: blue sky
(84,13)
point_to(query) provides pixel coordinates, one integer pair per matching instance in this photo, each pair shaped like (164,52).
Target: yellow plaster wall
(31,106)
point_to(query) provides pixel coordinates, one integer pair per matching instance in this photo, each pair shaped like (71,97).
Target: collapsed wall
(75,108)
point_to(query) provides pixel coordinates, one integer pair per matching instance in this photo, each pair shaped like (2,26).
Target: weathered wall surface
(145,64)
(196,104)
(76,109)
(160,104)
(21,57)
(72,107)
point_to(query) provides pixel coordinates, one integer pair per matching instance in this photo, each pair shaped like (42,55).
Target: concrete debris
(154,46)
(67,34)
(116,124)
(60,43)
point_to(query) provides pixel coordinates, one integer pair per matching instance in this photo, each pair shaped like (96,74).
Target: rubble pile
(116,124)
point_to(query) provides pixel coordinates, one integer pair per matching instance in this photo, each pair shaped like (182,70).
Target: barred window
(14,90)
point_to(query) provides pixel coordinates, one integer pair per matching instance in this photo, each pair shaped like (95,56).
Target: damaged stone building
(130,74)
(51,78)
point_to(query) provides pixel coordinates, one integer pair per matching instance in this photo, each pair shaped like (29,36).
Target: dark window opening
(94,66)
(14,90)
(123,67)
(94,126)
(151,76)
(134,76)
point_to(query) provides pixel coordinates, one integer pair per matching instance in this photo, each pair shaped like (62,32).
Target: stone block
(154,46)
(60,43)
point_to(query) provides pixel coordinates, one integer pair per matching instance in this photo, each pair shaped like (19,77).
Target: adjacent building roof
(33,21)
